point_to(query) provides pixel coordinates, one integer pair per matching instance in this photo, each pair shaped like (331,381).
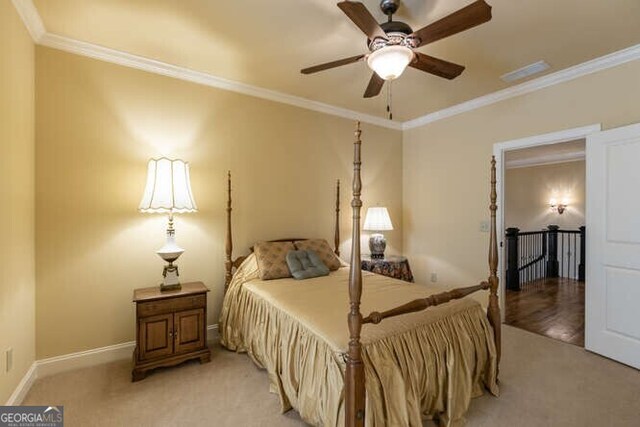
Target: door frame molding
(499,150)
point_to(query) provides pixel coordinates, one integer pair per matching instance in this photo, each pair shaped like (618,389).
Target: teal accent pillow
(305,265)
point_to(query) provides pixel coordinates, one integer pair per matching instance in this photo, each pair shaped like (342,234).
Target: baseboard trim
(24,386)
(82,359)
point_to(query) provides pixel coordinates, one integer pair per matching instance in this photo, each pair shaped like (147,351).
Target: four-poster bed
(416,363)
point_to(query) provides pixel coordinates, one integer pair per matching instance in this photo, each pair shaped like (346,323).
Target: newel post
(583,255)
(513,275)
(553,266)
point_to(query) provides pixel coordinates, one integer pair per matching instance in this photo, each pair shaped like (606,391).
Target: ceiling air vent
(524,72)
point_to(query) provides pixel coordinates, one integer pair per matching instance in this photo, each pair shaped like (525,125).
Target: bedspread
(418,365)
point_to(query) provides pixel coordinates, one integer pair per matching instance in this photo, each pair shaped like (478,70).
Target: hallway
(550,307)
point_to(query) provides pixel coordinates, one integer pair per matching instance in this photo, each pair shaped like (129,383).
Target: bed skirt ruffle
(430,371)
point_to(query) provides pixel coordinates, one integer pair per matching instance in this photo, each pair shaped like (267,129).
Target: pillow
(305,265)
(322,249)
(271,257)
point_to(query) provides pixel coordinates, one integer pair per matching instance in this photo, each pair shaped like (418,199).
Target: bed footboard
(354,376)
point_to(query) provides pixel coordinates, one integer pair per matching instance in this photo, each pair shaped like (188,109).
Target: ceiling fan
(392,44)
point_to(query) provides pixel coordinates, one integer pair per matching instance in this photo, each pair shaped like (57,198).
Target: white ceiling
(266,43)
(546,154)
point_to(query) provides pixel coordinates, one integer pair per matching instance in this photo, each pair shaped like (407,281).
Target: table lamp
(168,190)
(377,219)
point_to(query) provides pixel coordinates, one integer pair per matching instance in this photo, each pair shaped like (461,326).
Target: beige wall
(17,282)
(528,190)
(446,165)
(99,123)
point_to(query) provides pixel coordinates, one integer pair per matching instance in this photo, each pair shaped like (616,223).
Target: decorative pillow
(322,249)
(305,265)
(271,257)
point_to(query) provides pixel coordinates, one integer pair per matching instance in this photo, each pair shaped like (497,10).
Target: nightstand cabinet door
(156,336)
(189,330)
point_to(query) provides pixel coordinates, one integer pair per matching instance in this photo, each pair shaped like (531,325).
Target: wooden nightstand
(171,327)
(391,266)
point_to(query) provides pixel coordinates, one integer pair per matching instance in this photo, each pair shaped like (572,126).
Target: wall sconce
(558,207)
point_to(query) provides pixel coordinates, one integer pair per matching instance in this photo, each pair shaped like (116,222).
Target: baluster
(528,269)
(575,257)
(537,274)
(534,253)
(529,257)
(561,254)
(562,257)
(552,246)
(569,256)
(538,254)
(545,257)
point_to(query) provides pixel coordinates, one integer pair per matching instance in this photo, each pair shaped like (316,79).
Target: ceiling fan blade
(468,17)
(360,16)
(332,64)
(374,87)
(435,66)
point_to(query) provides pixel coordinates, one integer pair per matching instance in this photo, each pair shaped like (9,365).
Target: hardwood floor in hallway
(549,307)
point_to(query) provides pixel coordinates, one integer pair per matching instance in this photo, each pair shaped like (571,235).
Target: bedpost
(354,376)
(337,228)
(228,264)
(493,312)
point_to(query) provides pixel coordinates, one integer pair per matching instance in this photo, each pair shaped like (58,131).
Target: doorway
(544,215)
(542,260)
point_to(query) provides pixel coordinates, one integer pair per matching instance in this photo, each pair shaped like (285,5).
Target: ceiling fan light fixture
(390,62)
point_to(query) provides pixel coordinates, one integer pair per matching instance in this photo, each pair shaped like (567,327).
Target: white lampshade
(168,188)
(390,62)
(377,219)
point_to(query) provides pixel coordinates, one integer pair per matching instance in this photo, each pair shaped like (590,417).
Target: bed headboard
(230,264)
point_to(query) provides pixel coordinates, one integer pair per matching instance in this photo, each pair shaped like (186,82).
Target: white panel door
(613,244)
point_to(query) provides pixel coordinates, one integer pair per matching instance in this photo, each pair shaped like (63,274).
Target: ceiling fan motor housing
(396,27)
(394,38)
(397,32)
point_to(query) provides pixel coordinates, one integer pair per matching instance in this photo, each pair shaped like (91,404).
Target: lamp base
(171,281)
(377,245)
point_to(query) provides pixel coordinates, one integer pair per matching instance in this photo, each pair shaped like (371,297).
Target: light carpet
(543,383)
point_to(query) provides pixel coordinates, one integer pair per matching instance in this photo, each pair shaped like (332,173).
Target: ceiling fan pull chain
(389,100)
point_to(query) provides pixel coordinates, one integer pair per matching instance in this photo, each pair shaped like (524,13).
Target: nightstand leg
(206,358)
(137,375)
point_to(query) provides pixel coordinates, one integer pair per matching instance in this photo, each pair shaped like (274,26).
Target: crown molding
(602,63)
(158,67)
(548,159)
(31,18)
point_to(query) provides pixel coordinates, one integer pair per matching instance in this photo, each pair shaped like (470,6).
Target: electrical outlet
(484,226)
(8,360)
(434,277)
